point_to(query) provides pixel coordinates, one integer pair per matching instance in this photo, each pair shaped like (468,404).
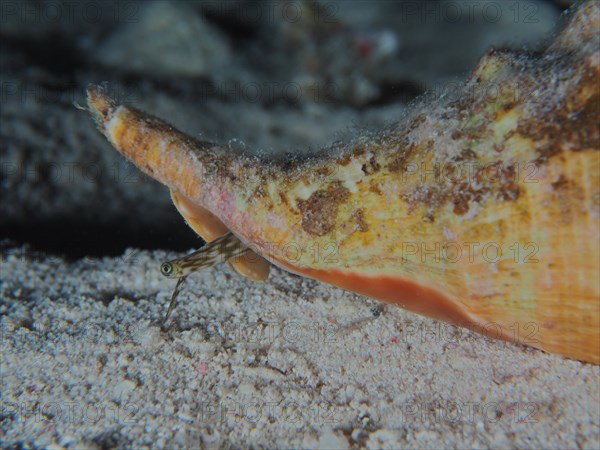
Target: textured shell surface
(482,209)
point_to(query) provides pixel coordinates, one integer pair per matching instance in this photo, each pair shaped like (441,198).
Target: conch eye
(166,268)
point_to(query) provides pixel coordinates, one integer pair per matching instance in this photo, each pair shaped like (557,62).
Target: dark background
(271,76)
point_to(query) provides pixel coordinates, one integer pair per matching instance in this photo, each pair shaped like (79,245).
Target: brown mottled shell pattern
(482,209)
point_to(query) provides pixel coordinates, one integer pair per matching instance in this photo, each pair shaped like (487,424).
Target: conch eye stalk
(482,210)
(220,250)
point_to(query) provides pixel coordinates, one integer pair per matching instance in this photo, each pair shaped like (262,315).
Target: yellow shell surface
(483,210)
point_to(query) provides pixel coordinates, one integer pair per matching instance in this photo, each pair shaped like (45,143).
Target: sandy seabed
(287,363)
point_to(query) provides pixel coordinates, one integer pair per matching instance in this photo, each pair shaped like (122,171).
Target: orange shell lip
(210,227)
(405,293)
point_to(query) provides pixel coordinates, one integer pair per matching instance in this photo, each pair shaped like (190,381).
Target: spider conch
(482,210)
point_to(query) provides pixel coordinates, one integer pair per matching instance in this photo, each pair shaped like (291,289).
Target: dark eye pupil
(166,268)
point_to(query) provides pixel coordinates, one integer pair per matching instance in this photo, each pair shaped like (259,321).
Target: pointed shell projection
(481,208)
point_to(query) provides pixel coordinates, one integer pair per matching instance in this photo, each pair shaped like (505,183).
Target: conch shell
(482,209)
